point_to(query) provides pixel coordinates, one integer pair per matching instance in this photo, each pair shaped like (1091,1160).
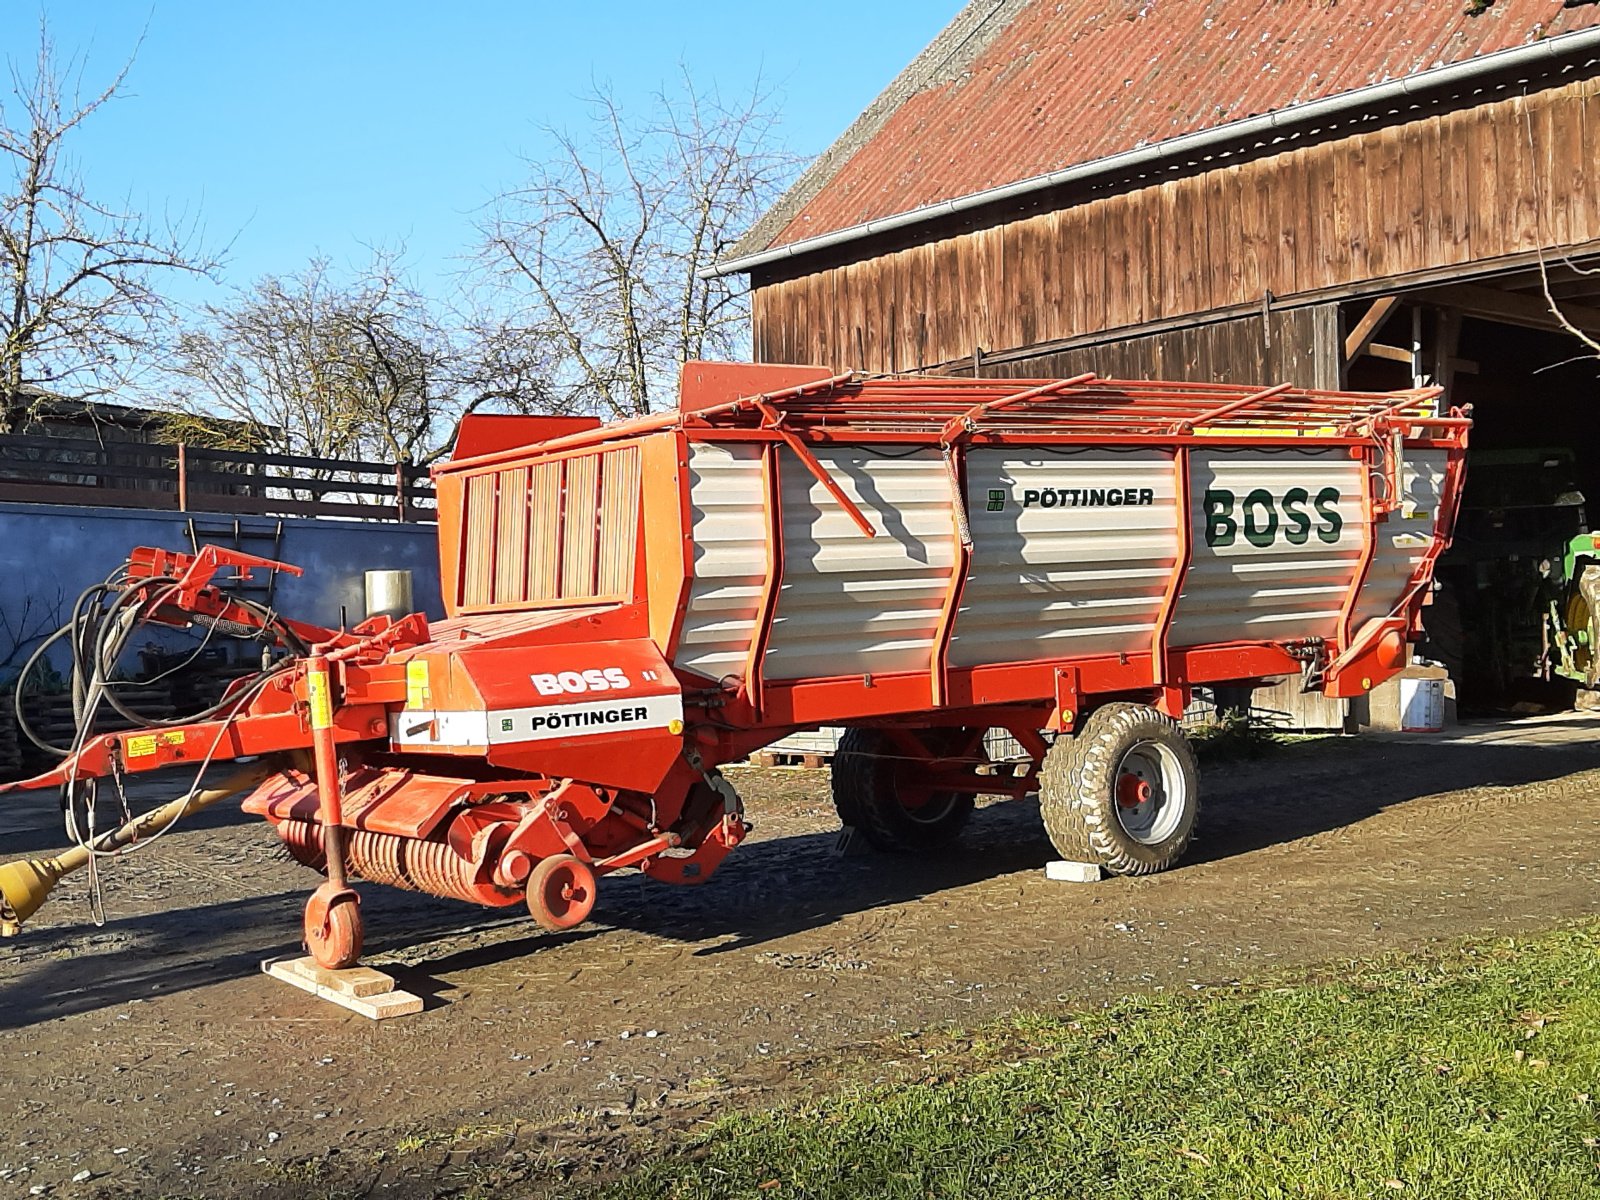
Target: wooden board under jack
(360,989)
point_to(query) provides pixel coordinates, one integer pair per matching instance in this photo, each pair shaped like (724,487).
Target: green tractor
(1573,619)
(1519,588)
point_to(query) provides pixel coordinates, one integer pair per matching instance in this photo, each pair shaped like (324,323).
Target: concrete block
(1072,872)
(1383,702)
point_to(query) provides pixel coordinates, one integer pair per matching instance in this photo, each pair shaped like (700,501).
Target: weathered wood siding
(1462,187)
(1298,346)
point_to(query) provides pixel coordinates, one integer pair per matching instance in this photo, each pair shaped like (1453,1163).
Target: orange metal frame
(956,415)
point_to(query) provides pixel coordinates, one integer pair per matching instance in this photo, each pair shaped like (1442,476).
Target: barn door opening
(1504,622)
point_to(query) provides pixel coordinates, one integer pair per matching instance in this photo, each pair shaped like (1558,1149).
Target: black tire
(869,771)
(1126,745)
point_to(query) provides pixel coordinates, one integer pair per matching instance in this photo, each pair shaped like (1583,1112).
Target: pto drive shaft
(25,883)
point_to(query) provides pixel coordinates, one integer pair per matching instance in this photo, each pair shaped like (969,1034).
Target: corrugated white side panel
(730,558)
(1405,535)
(851,604)
(1257,572)
(1081,575)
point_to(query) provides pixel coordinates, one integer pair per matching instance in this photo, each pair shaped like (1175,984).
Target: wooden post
(400,490)
(183,477)
(1419,376)
(1447,341)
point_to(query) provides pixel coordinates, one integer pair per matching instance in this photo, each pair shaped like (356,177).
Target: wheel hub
(1133,791)
(1149,793)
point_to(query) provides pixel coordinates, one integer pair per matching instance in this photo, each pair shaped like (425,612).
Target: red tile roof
(1071,81)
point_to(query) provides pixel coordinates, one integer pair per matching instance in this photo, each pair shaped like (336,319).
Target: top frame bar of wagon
(844,436)
(671,419)
(1314,416)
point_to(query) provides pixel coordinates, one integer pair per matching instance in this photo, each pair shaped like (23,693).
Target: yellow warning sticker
(321,701)
(417,690)
(143,745)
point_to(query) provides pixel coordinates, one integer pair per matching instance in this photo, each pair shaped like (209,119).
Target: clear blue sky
(299,128)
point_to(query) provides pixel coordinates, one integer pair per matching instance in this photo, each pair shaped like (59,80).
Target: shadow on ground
(768,890)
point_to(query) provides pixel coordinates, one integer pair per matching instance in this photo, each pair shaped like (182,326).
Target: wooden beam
(1367,327)
(1397,354)
(1512,308)
(1446,341)
(1562,272)
(1581,290)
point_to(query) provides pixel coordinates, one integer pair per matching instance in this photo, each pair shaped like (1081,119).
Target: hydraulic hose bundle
(104,621)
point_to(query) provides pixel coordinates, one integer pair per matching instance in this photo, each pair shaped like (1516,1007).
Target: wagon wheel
(1123,793)
(880,786)
(561,892)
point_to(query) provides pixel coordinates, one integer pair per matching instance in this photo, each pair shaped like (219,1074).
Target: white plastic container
(1421,705)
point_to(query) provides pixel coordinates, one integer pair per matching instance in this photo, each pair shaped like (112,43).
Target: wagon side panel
(728,526)
(1073,552)
(852,604)
(1278,538)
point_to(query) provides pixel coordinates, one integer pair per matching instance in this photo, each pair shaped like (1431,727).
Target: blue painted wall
(51,553)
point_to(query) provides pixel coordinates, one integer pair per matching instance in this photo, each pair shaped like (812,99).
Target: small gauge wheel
(561,892)
(333,931)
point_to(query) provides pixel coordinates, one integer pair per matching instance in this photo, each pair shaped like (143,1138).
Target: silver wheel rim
(936,809)
(1148,794)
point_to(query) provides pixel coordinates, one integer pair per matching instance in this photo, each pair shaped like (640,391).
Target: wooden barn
(1362,193)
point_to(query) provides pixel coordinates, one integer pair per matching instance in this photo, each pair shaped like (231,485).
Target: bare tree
(367,368)
(79,305)
(597,252)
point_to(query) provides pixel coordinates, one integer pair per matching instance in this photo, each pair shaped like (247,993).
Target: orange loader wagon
(630,606)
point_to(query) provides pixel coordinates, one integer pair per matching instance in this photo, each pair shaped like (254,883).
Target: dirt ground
(152,1054)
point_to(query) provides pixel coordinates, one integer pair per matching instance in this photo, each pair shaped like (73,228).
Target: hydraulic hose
(100,633)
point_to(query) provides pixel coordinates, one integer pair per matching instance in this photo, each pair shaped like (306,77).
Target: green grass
(1464,1075)
(1232,738)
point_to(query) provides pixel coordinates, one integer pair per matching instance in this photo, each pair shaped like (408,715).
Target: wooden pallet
(789,758)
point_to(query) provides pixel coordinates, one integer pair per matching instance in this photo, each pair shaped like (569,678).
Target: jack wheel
(333,931)
(561,892)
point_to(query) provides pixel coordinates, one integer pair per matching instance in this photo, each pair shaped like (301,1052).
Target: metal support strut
(333,914)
